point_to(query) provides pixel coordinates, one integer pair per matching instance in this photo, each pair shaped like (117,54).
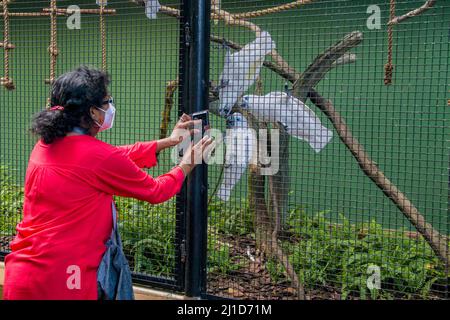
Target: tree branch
(437,242)
(427,5)
(171,87)
(317,70)
(309,79)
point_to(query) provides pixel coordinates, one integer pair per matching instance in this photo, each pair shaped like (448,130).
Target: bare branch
(171,87)
(427,5)
(438,242)
(324,63)
(345,59)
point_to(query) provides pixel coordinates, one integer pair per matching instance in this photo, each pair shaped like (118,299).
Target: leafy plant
(148,235)
(219,257)
(329,251)
(11,202)
(233,218)
(341,254)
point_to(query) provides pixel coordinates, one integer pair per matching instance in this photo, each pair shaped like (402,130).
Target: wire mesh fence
(335,125)
(141,54)
(327,225)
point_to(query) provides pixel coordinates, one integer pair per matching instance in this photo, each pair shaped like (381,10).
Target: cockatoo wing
(231,176)
(299,120)
(152,8)
(240,143)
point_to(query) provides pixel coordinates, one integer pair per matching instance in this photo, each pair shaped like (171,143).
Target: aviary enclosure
(355,92)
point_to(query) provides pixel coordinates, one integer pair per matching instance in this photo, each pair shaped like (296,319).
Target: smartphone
(200,115)
(204,116)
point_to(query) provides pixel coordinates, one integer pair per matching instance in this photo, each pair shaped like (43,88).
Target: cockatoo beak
(244,102)
(226,111)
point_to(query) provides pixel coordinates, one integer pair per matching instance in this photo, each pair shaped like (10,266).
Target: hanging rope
(283,7)
(6,81)
(53,12)
(53,48)
(389,67)
(103,33)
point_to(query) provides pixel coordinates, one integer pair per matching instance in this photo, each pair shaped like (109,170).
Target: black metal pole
(181,201)
(197,33)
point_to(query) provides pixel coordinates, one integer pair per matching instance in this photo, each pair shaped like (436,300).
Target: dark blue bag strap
(114,216)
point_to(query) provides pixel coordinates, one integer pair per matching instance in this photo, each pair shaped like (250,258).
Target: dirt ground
(253,281)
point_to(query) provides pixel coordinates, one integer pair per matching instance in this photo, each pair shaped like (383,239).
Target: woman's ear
(93,113)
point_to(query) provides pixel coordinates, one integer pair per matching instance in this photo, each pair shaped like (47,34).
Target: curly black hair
(77,91)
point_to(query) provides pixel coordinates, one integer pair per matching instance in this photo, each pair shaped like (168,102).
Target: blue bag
(114,275)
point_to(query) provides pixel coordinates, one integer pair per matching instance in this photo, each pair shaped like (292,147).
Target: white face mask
(108,121)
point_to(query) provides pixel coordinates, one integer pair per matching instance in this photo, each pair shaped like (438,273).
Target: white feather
(241,69)
(240,144)
(152,8)
(299,120)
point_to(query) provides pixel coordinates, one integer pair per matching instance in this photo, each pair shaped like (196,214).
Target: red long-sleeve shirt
(67,219)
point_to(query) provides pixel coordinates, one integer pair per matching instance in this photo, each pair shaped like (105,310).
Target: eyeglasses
(110,100)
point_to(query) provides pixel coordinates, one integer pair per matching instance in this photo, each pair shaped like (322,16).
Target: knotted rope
(283,7)
(53,48)
(6,81)
(103,33)
(389,67)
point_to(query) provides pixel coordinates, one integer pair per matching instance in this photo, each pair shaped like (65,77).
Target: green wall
(404,127)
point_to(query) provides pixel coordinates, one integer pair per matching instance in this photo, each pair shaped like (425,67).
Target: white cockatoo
(293,114)
(215,6)
(241,69)
(152,8)
(240,142)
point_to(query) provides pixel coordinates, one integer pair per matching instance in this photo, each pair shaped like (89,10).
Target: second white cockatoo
(240,142)
(299,120)
(241,69)
(216,6)
(152,8)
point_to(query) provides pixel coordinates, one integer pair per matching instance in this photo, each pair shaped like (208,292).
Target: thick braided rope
(6,81)
(53,49)
(283,7)
(103,36)
(389,67)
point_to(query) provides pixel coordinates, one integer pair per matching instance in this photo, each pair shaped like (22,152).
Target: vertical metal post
(196,15)
(183,94)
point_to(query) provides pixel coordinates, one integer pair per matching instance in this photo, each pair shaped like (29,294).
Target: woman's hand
(195,154)
(183,128)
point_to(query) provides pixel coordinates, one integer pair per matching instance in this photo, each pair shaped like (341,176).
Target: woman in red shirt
(69,187)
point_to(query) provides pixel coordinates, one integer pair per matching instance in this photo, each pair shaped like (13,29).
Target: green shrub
(148,235)
(11,202)
(327,252)
(231,218)
(339,254)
